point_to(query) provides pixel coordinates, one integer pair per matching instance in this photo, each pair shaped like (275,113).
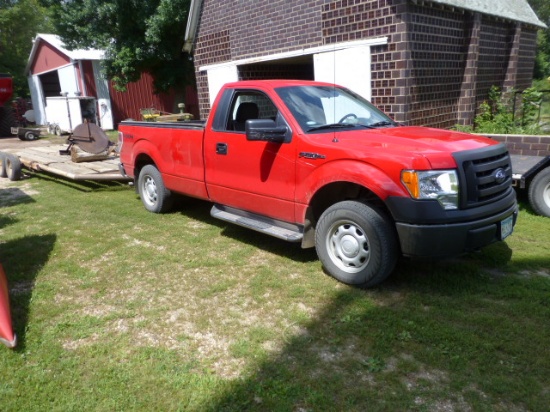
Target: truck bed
(194,124)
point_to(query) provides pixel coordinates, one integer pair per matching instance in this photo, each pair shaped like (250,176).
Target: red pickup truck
(315,163)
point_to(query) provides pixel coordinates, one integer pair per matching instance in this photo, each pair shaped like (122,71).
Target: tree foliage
(20,21)
(137,36)
(542,62)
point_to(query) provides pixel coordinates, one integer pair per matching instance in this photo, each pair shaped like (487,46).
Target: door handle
(221,148)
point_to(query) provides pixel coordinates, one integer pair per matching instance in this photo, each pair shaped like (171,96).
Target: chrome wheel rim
(348,246)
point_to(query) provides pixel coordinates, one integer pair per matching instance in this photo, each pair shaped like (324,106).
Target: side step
(272,227)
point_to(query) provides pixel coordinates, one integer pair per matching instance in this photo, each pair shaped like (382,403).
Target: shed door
(348,67)
(67,80)
(105,110)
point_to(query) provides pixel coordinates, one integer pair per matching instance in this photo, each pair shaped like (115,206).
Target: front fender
(350,171)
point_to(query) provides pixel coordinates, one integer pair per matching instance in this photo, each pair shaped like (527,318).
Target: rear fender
(144,152)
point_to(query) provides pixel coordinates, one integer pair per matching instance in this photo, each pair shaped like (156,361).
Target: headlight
(440,185)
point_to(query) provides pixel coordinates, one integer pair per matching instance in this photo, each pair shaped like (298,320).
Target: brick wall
(525,145)
(236,29)
(363,19)
(495,38)
(437,58)
(432,72)
(526,57)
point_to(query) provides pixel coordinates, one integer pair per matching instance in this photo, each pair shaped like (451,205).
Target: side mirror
(265,130)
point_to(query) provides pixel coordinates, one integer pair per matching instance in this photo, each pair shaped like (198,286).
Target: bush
(499,114)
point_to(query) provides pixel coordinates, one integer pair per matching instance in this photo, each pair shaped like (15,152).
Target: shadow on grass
(87,186)
(499,255)
(13,196)
(22,260)
(200,210)
(436,333)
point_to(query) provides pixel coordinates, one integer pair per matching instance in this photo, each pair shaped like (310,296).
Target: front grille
(485,175)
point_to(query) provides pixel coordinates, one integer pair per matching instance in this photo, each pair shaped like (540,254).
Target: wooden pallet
(47,159)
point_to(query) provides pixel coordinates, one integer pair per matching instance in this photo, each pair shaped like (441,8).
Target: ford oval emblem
(500,175)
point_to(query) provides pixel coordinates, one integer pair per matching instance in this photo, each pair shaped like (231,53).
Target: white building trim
(346,64)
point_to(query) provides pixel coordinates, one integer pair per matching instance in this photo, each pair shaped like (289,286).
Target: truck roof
(274,83)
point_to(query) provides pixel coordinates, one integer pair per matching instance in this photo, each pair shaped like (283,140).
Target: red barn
(52,69)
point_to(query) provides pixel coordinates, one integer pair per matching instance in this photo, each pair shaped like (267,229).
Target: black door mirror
(266,130)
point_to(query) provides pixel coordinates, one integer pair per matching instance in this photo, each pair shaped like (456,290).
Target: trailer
(89,156)
(28,133)
(64,113)
(532,173)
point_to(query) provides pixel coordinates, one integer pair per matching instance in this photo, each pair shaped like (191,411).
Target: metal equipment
(89,137)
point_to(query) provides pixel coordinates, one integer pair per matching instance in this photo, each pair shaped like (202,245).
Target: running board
(275,228)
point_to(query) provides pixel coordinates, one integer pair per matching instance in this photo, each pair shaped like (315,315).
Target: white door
(105,112)
(347,67)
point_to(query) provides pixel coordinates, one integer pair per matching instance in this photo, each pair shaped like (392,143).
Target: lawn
(116,308)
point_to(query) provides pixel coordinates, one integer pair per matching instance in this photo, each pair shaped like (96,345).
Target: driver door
(255,176)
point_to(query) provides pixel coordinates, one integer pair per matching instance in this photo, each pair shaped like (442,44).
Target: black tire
(29,136)
(152,191)
(13,167)
(370,240)
(3,172)
(539,192)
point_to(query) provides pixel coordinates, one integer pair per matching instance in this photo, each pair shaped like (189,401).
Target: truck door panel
(250,175)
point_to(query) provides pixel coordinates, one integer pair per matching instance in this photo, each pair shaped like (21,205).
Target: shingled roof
(516,10)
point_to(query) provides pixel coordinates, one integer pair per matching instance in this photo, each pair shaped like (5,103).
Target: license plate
(506,227)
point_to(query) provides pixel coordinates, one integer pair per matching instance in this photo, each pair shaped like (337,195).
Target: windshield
(326,107)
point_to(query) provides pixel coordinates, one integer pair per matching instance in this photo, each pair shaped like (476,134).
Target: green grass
(116,308)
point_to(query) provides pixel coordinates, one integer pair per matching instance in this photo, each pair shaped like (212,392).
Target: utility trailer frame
(48,159)
(533,174)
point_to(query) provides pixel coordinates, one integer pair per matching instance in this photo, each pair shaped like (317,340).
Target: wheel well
(141,161)
(331,194)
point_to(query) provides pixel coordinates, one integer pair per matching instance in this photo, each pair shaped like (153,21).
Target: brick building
(424,62)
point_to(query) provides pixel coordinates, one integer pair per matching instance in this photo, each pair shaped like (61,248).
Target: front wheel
(356,243)
(153,193)
(539,193)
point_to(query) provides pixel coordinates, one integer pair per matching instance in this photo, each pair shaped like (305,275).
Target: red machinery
(7,337)
(6,90)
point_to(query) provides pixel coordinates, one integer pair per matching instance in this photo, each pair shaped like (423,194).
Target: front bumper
(451,239)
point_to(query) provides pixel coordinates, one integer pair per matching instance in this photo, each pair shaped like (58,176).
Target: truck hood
(433,145)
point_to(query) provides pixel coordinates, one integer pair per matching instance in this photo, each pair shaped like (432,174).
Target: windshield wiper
(382,123)
(352,125)
(331,126)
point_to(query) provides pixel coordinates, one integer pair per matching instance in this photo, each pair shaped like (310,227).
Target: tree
(137,36)
(542,62)
(20,21)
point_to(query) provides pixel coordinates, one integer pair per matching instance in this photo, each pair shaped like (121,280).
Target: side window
(249,105)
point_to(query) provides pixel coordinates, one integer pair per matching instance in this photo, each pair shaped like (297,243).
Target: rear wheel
(29,136)
(356,243)
(539,193)
(13,167)
(152,191)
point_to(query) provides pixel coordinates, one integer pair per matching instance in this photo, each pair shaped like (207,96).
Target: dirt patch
(11,144)
(11,192)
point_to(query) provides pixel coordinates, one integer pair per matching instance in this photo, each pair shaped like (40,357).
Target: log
(78,155)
